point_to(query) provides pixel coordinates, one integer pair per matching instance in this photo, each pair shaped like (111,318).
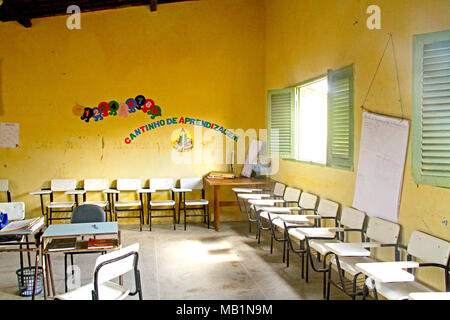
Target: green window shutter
(431,109)
(281,117)
(340,119)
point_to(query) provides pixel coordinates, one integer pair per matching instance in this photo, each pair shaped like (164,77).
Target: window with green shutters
(281,122)
(340,118)
(431,109)
(283,115)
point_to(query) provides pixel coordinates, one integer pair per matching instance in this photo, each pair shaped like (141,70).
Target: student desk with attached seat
(73,230)
(36,232)
(216,183)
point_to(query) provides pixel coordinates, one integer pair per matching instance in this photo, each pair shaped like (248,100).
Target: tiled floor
(195,264)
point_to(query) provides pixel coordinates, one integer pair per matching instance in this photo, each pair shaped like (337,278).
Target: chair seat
(59,205)
(397,290)
(200,202)
(296,219)
(161,203)
(121,204)
(319,245)
(265,215)
(97,203)
(278,223)
(107,291)
(295,234)
(348,263)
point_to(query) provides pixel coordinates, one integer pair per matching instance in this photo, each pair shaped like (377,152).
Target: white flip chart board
(381,164)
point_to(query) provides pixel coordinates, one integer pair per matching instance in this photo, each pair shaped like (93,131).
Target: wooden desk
(56,231)
(217,183)
(36,232)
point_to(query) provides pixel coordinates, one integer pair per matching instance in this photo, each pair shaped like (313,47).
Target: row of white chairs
(113,204)
(295,219)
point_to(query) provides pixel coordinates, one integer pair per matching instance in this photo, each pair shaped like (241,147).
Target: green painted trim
(419,42)
(269,104)
(338,163)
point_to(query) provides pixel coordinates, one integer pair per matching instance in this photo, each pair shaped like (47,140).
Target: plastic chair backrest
(382,231)
(327,208)
(15,210)
(128,184)
(162,183)
(60,185)
(308,201)
(3,185)
(352,218)
(291,194)
(115,269)
(96,184)
(191,183)
(278,189)
(428,248)
(88,213)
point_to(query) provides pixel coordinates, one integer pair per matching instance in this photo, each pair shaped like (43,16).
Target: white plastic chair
(108,267)
(432,251)
(380,233)
(128,185)
(161,185)
(97,185)
(191,185)
(58,186)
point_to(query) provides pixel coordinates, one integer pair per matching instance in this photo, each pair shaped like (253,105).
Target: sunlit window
(312,122)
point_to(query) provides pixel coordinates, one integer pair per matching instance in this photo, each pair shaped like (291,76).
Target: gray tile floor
(195,264)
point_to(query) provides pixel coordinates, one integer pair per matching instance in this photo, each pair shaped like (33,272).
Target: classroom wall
(305,38)
(200,59)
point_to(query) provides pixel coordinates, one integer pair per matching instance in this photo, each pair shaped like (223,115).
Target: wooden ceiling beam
(16,13)
(153,5)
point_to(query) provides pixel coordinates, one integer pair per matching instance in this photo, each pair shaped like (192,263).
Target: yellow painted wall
(201,59)
(305,38)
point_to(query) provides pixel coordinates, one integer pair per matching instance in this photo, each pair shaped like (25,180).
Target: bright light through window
(312,124)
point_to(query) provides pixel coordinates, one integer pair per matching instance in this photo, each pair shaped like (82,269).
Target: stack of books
(62,244)
(102,243)
(23,225)
(221,175)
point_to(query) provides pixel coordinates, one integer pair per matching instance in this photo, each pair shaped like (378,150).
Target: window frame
(417,108)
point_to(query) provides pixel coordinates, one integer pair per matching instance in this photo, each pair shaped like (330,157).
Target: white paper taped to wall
(9,135)
(379,181)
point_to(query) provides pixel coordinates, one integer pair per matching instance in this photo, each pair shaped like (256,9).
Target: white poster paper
(379,180)
(9,135)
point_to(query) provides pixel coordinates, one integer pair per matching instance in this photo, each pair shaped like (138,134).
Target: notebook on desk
(62,244)
(23,225)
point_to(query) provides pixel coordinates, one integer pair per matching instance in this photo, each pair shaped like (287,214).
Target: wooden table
(216,183)
(70,230)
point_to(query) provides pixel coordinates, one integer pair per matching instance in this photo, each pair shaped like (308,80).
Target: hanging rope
(390,40)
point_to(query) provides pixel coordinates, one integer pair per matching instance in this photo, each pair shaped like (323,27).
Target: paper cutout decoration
(97,114)
(182,140)
(114,108)
(87,114)
(123,110)
(9,135)
(140,101)
(77,110)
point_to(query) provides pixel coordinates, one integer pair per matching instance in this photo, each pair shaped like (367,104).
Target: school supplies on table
(62,244)
(22,225)
(101,243)
(221,175)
